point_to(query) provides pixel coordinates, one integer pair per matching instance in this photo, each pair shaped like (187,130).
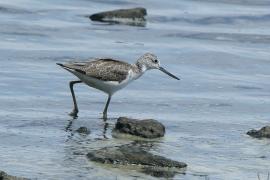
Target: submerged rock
(132,155)
(262,133)
(134,16)
(5,176)
(83,130)
(157,172)
(147,128)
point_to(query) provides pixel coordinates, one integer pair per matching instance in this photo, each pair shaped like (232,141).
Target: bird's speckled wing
(102,69)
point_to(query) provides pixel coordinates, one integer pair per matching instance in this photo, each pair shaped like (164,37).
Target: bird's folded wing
(103,69)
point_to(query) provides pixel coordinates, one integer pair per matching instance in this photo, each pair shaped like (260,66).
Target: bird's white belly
(109,87)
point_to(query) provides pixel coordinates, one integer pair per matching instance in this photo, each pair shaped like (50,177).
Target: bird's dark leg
(75,107)
(106,107)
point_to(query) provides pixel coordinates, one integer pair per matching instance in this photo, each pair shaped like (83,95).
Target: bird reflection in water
(71,131)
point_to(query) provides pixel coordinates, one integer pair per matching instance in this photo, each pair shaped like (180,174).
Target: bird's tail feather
(71,68)
(60,64)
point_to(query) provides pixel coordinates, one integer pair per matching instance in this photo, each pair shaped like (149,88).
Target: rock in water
(147,128)
(161,173)
(134,16)
(132,155)
(262,133)
(5,176)
(83,130)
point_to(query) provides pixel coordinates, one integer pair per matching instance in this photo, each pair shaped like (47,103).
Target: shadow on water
(13,10)
(129,23)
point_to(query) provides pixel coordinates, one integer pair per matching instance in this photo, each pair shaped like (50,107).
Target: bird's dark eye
(155,60)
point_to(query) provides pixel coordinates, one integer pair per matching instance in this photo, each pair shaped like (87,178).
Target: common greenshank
(109,75)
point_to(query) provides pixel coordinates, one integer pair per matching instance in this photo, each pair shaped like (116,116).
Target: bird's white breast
(109,87)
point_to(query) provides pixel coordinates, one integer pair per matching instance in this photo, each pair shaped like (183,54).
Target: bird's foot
(74,113)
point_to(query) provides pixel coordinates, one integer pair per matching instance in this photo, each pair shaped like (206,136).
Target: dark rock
(262,133)
(147,128)
(157,172)
(83,130)
(134,15)
(132,155)
(5,176)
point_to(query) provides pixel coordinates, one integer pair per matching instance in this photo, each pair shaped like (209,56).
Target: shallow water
(220,50)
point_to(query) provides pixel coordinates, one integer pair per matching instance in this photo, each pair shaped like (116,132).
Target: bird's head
(150,61)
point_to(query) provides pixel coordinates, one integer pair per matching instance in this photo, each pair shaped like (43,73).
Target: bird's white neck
(138,70)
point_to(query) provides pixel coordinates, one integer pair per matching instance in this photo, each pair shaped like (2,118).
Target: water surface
(219,49)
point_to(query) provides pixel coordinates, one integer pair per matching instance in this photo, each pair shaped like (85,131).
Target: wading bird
(109,75)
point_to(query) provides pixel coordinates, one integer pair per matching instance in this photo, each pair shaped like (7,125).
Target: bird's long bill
(165,71)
